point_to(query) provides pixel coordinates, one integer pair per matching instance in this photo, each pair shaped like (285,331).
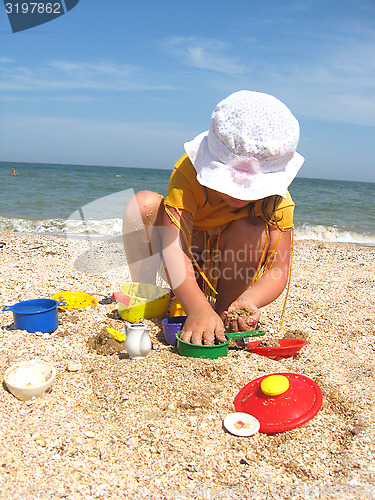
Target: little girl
(224,230)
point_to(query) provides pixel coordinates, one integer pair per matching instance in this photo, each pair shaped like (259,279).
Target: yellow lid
(274,385)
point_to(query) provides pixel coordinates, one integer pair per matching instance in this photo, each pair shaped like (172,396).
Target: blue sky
(127,83)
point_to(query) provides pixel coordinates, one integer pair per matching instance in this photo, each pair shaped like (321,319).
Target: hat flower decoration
(244,169)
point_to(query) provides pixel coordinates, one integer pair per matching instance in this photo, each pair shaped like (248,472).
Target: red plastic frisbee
(288,348)
(294,407)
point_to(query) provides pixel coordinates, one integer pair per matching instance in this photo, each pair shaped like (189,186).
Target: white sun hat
(249,152)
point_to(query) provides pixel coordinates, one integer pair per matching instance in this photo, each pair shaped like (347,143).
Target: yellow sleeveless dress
(211,215)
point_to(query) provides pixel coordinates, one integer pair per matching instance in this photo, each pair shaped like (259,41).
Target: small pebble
(88,434)
(74,367)
(40,441)
(251,456)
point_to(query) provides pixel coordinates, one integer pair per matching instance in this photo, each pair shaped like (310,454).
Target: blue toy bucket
(37,315)
(171,326)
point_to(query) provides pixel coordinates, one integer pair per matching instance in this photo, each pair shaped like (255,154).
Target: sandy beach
(153,428)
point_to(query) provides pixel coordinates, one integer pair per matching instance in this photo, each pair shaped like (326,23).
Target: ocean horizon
(60,199)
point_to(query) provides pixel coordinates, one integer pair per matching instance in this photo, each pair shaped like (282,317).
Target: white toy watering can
(137,342)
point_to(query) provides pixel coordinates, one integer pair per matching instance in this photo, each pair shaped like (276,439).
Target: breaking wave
(113,227)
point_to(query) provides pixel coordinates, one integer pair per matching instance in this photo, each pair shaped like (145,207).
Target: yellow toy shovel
(119,336)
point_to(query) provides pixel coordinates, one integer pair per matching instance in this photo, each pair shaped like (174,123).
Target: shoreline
(112,237)
(152,428)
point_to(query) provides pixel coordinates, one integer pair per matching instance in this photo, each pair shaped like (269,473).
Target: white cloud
(339,87)
(60,75)
(203,53)
(327,72)
(330,76)
(6,60)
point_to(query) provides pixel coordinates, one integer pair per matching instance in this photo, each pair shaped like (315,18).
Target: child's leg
(241,245)
(141,236)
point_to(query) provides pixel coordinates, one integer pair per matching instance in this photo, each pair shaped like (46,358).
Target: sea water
(77,199)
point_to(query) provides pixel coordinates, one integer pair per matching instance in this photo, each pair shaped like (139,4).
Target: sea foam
(105,228)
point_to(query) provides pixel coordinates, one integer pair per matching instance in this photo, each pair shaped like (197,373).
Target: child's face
(233,202)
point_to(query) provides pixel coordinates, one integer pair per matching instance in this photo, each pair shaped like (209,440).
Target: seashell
(89,434)
(172,406)
(74,367)
(39,439)
(251,456)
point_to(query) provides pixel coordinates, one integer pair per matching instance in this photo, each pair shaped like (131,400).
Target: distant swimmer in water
(14,173)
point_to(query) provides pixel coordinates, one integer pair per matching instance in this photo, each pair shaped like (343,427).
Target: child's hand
(203,328)
(241,316)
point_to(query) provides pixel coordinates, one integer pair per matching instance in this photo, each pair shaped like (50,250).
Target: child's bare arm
(203,324)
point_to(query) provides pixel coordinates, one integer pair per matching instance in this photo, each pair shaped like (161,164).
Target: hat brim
(219,176)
